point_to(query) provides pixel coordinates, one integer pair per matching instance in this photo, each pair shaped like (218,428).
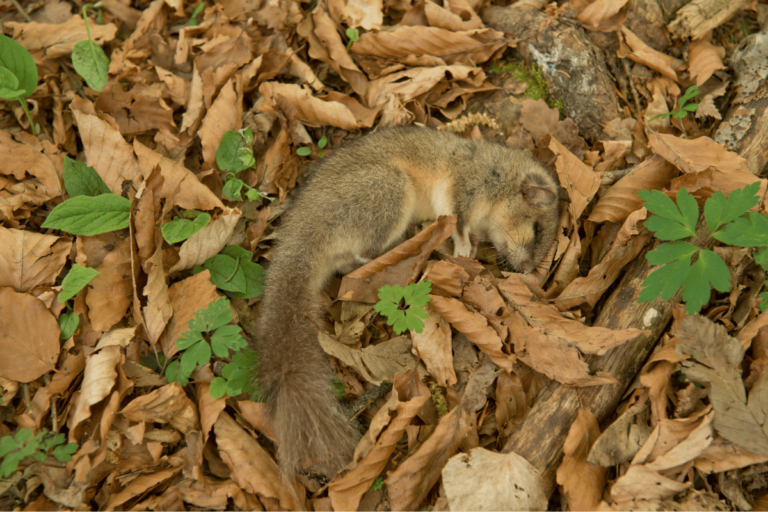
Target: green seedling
(728,220)
(18,75)
(181,228)
(306,150)
(404,308)
(353,35)
(683,107)
(76,279)
(15,448)
(234,155)
(88,58)
(195,13)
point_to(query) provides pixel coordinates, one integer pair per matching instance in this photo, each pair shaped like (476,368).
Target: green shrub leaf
(75,281)
(750,230)
(9,85)
(91,63)
(15,58)
(88,216)
(81,180)
(180,229)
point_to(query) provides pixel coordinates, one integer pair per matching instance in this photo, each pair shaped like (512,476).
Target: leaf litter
(440,406)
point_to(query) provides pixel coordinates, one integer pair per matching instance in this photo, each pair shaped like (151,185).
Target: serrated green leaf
(218,387)
(398,322)
(212,317)
(716,270)
(88,216)
(658,203)
(689,209)
(181,229)
(8,444)
(709,269)
(761,257)
(691,92)
(188,338)
(15,58)
(68,323)
(9,85)
(64,453)
(413,318)
(739,202)
(304,151)
(91,63)
(196,355)
(81,180)
(666,229)
(672,251)
(246,358)
(751,230)
(713,211)
(225,338)
(665,280)
(76,279)
(691,107)
(238,382)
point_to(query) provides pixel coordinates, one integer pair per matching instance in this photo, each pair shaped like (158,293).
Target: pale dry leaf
(251,466)
(433,346)
(695,155)
(578,179)
(409,484)
(686,449)
(722,455)
(443,18)
(538,118)
(110,293)
(187,297)
(707,108)
(480,480)
(375,363)
(30,340)
(446,276)
(636,49)
(119,337)
(582,481)
(29,259)
(55,41)
(703,60)
(705,183)
(158,310)
(140,486)
(623,438)
(653,173)
(138,110)
(207,242)
(193,114)
(355,13)
(642,483)
(20,159)
(210,408)
(99,379)
(167,405)
(604,15)
(226,114)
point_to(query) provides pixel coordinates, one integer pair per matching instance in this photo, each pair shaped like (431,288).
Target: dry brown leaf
(29,259)
(538,118)
(110,293)
(314,111)
(475,327)
(634,48)
(187,297)
(604,16)
(158,310)
(433,346)
(140,486)
(628,244)
(623,438)
(30,340)
(99,379)
(675,442)
(207,242)
(400,265)
(578,179)
(706,183)
(226,114)
(49,41)
(375,363)
(190,120)
(642,483)
(252,468)
(703,60)
(653,173)
(582,482)
(380,441)
(695,155)
(722,455)
(479,480)
(138,110)
(447,277)
(20,159)
(367,14)
(409,484)
(440,17)
(105,149)
(167,405)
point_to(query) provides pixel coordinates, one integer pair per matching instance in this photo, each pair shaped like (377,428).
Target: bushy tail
(312,432)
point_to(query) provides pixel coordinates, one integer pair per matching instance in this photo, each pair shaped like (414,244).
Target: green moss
(438,399)
(532,76)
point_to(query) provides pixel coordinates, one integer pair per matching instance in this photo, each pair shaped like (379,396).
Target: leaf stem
(32,125)
(85,18)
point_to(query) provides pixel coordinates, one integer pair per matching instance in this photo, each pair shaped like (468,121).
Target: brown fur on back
(357,204)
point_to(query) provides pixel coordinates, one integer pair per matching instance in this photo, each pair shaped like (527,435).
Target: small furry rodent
(356,205)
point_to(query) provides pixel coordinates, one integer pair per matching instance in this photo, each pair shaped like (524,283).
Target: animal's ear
(539,196)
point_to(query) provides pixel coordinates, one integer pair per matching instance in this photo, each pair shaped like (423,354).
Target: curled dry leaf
(252,467)
(139,486)
(110,293)
(703,60)
(458,17)
(689,438)
(604,15)
(375,363)
(99,379)
(634,48)
(30,340)
(207,242)
(400,265)
(696,155)
(379,442)
(538,118)
(366,14)
(642,483)
(167,405)
(578,179)
(138,110)
(433,346)
(582,481)
(480,480)
(52,41)
(20,159)
(653,173)
(409,484)
(29,259)
(225,114)
(722,455)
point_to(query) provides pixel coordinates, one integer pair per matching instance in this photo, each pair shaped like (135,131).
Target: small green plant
(76,279)
(91,208)
(18,75)
(209,332)
(404,308)
(235,154)
(195,13)
(16,448)
(181,228)
(727,221)
(306,150)
(88,58)
(683,107)
(234,272)
(377,484)
(353,36)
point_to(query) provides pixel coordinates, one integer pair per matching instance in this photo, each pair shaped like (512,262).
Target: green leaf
(64,453)
(214,316)
(7,444)
(91,63)
(68,323)
(689,209)
(173,374)
(353,34)
(414,318)
(709,269)
(671,251)
(188,338)
(152,362)
(417,294)
(87,216)
(679,114)
(691,107)
(232,188)
(253,272)
(670,223)
(665,280)
(322,142)
(666,229)
(713,211)
(75,280)
(764,304)
(239,382)
(9,85)
(218,387)
(660,116)
(304,151)
(195,13)
(81,180)
(691,92)
(225,338)
(739,202)
(226,273)
(234,153)
(751,230)
(196,355)
(181,229)
(18,61)
(761,257)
